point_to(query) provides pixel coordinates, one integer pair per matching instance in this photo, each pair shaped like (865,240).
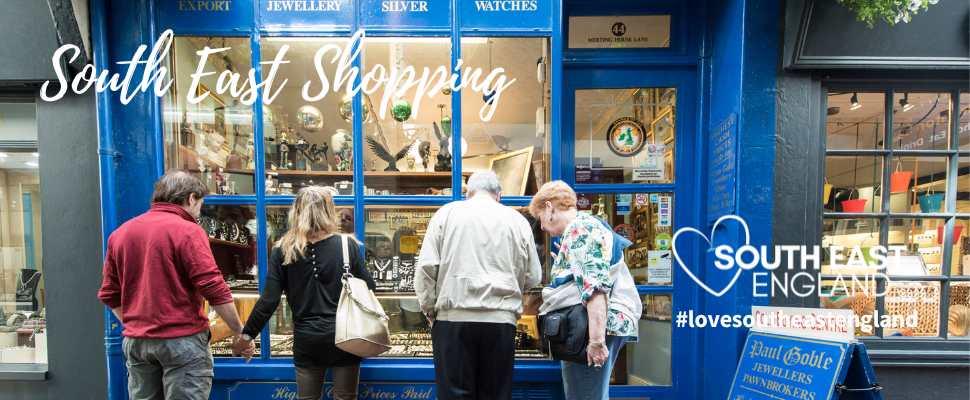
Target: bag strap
(346,254)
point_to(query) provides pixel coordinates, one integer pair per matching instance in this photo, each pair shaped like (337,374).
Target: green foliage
(891,11)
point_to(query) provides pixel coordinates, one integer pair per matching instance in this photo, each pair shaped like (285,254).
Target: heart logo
(698,281)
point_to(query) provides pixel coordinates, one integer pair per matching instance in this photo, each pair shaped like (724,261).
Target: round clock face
(626,137)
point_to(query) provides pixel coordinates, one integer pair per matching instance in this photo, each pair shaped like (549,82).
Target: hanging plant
(891,11)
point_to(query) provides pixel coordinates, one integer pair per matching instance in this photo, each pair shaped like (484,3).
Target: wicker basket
(960,294)
(905,298)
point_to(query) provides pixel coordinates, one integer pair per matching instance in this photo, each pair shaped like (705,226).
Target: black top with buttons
(312,286)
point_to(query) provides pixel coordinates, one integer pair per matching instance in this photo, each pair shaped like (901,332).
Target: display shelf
(221,242)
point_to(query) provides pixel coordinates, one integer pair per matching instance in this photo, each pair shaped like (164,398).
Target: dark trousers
(309,382)
(473,360)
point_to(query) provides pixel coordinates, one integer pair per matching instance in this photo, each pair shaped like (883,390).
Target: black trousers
(473,360)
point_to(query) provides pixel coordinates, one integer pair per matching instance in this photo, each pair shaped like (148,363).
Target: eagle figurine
(386,155)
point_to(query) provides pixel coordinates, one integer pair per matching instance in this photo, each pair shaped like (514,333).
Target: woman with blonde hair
(307,265)
(587,271)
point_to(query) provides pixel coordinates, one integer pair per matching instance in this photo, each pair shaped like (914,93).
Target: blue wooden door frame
(686,189)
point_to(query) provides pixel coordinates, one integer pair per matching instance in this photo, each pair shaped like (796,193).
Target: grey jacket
(477,258)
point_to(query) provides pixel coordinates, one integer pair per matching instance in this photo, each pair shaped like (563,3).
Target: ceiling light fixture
(31,164)
(904,102)
(855,102)
(3,155)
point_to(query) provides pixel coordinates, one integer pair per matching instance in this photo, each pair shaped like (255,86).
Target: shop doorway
(631,151)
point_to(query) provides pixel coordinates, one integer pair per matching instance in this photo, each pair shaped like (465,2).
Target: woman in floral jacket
(584,259)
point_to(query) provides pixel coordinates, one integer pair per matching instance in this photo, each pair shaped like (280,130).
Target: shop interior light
(35,155)
(31,164)
(3,155)
(904,102)
(855,102)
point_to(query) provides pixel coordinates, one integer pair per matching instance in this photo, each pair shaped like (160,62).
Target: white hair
(484,181)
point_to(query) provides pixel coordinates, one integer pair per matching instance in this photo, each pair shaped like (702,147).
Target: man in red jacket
(157,270)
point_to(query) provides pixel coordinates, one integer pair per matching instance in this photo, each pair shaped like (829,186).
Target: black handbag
(566,330)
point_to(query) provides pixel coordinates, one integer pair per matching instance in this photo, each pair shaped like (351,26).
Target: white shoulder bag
(361,326)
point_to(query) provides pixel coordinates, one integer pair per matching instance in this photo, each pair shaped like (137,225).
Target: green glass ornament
(446,125)
(401,110)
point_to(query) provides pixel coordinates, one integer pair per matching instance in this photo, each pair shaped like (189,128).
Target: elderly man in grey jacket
(477,258)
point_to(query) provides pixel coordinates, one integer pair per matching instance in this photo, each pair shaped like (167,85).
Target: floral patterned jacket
(584,259)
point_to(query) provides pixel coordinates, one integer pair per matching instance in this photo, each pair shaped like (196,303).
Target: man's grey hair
(484,181)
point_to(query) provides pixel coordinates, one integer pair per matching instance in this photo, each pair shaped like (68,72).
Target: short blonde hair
(556,192)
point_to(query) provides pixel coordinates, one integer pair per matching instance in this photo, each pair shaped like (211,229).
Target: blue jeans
(591,383)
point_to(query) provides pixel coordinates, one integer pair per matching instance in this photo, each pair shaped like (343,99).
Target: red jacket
(158,268)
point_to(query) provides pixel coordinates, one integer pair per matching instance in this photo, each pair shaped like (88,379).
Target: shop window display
(306,143)
(625,135)
(232,238)
(927,203)
(514,142)
(856,120)
(23,327)
(646,219)
(214,138)
(958,318)
(921,121)
(407,139)
(851,184)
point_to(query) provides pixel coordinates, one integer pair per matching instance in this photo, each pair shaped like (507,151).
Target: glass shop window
(23,328)
(214,138)
(514,141)
(646,219)
(406,136)
(306,143)
(921,209)
(625,135)
(281,323)
(232,238)
(647,361)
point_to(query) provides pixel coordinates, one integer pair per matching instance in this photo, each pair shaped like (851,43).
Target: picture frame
(513,170)
(663,126)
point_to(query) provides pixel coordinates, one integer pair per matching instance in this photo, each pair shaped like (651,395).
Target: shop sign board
(296,14)
(366,391)
(810,359)
(535,15)
(181,15)
(619,31)
(722,170)
(405,14)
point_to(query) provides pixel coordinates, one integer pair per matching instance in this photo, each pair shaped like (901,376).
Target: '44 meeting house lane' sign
(338,15)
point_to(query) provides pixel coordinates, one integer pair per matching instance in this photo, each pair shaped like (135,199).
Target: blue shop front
(650,109)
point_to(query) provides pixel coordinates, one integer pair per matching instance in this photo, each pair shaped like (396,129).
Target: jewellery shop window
(625,135)
(281,323)
(507,130)
(23,331)
(306,143)
(232,238)
(393,240)
(213,138)
(926,256)
(406,133)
